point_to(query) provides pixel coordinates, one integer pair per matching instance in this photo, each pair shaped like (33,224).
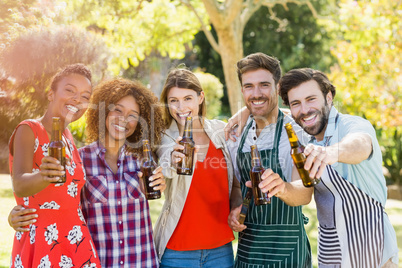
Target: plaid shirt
(116,210)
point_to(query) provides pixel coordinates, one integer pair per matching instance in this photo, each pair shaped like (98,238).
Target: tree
(17,17)
(30,61)
(229,19)
(368,75)
(137,29)
(304,41)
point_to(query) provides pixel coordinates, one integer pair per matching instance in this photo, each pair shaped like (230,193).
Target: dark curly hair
(77,68)
(295,77)
(150,125)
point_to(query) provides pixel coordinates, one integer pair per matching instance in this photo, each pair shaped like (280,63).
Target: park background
(357,43)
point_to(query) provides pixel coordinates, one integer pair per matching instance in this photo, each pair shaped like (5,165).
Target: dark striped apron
(275,235)
(344,209)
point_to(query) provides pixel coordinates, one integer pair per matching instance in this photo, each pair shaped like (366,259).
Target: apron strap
(277,138)
(278,130)
(243,137)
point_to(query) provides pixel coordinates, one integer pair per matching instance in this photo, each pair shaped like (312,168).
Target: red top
(203,223)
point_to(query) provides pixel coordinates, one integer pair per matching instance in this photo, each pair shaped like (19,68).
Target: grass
(393,208)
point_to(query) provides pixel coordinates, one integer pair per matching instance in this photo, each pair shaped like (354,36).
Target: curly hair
(77,68)
(181,78)
(150,125)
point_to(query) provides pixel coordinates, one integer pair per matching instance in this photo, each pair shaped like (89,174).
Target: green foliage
(77,128)
(30,61)
(391,147)
(213,90)
(17,17)
(135,29)
(368,76)
(303,42)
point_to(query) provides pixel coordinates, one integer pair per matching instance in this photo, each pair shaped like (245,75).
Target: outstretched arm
(292,193)
(352,149)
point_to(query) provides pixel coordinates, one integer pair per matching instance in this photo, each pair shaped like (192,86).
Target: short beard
(319,127)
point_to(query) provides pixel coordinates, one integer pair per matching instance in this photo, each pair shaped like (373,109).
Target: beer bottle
(147,168)
(299,158)
(244,207)
(185,165)
(57,147)
(256,171)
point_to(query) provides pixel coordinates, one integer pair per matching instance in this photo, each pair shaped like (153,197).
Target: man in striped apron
(273,235)
(354,230)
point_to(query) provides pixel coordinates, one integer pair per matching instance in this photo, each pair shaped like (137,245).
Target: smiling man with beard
(354,230)
(272,235)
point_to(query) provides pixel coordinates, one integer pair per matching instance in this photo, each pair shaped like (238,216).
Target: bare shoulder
(23,136)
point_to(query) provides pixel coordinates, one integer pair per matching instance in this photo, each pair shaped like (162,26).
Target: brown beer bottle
(256,171)
(147,168)
(57,147)
(185,165)
(299,158)
(244,207)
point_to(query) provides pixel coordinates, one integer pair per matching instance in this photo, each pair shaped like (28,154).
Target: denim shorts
(204,258)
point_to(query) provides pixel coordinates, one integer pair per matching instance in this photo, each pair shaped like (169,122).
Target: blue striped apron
(275,235)
(351,231)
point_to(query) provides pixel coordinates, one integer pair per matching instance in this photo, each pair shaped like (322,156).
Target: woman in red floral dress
(60,237)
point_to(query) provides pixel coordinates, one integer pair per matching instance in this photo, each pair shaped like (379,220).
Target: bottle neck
(255,158)
(188,129)
(294,141)
(256,162)
(56,132)
(294,144)
(147,155)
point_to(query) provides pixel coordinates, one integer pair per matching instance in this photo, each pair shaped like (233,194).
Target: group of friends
(100,217)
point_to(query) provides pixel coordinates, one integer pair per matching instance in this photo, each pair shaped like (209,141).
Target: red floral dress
(60,237)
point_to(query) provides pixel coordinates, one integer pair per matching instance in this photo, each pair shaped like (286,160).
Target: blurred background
(357,43)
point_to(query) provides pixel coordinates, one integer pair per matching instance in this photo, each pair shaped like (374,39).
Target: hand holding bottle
(271,183)
(157,180)
(317,158)
(297,151)
(51,169)
(57,147)
(150,171)
(256,171)
(233,220)
(177,155)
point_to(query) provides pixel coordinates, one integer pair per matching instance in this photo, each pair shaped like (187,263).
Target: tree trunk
(231,50)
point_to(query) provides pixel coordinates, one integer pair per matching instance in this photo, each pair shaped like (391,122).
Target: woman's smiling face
(71,97)
(184,102)
(122,119)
